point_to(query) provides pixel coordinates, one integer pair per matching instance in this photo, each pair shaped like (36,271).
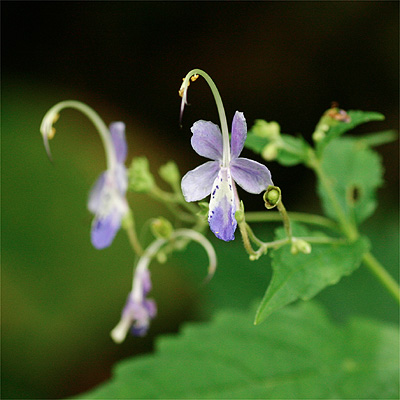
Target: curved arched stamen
(47,129)
(226,158)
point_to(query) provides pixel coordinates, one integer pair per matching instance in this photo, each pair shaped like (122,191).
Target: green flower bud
(161,257)
(140,178)
(300,245)
(318,135)
(170,173)
(161,228)
(272,196)
(269,130)
(270,152)
(239,214)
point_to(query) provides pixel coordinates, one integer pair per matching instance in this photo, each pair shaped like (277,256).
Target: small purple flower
(138,310)
(107,198)
(218,180)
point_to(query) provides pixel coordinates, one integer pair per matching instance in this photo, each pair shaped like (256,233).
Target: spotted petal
(197,184)
(207,140)
(239,134)
(117,130)
(222,209)
(250,175)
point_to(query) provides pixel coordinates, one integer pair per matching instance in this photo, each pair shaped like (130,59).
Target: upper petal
(95,193)
(221,216)
(239,134)
(121,178)
(250,175)
(197,184)
(117,130)
(207,140)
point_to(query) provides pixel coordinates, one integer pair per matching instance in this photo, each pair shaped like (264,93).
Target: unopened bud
(272,196)
(318,135)
(170,173)
(140,178)
(239,214)
(161,228)
(269,130)
(270,152)
(300,245)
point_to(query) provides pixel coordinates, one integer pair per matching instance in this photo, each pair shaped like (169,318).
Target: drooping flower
(107,199)
(218,177)
(138,310)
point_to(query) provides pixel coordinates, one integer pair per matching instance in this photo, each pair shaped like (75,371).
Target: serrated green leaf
(357,117)
(302,276)
(355,172)
(299,354)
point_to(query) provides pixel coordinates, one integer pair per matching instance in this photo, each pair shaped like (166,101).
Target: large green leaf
(354,172)
(302,276)
(299,354)
(338,128)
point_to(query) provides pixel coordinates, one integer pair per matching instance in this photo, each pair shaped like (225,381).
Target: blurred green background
(283,61)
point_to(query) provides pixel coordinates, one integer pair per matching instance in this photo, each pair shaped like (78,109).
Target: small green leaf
(354,172)
(357,117)
(290,150)
(299,354)
(377,138)
(140,178)
(302,276)
(256,143)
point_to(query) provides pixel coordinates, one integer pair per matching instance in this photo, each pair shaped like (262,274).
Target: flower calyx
(272,197)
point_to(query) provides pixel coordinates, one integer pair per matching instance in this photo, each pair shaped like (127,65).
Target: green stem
(245,238)
(286,220)
(382,275)
(262,216)
(174,199)
(349,230)
(129,225)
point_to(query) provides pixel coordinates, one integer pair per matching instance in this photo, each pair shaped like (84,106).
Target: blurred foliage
(298,354)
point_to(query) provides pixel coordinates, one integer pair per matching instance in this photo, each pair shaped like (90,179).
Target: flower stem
(382,275)
(312,219)
(129,226)
(286,220)
(46,127)
(172,200)
(226,156)
(348,229)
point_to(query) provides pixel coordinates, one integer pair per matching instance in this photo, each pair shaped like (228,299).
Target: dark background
(282,61)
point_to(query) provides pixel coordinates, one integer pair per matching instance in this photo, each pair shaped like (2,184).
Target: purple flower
(138,310)
(218,180)
(107,198)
